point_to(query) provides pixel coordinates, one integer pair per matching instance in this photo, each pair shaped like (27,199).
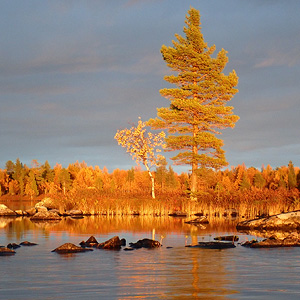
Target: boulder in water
(70,248)
(145,243)
(6,251)
(112,244)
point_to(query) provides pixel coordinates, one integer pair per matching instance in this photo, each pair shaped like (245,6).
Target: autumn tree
(198,110)
(142,146)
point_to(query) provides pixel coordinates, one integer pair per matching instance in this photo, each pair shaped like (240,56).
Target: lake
(170,272)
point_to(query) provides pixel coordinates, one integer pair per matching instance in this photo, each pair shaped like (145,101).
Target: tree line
(230,185)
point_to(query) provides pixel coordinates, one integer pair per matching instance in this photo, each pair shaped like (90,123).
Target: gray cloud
(72,73)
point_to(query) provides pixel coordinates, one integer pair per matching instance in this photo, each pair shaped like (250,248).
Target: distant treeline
(81,183)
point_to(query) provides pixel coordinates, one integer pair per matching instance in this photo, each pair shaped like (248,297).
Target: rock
(26,243)
(74,212)
(128,249)
(249,243)
(5,211)
(213,245)
(31,211)
(284,221)
(46,215)
(46,202)
(19,212)
(232,238)
(70,248)
(42,209)
(199,220)
(272,242)
(91,242)
(145,243)
(112,244)
(123,242)
(13,246)
(6,251)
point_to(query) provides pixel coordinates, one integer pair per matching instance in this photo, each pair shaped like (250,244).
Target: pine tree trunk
(194,168)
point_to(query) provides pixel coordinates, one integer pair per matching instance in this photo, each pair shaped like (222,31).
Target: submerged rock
(213,245)
(112,244)
(145,243)
(26,243)
(284,221)
(5,211)
(70,248)
(6,251)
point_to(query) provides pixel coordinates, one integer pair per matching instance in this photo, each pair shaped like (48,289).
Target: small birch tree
(142,146)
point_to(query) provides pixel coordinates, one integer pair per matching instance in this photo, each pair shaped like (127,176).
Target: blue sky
(74,72)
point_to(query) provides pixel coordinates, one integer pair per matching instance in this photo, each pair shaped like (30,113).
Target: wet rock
(231,238)
(145,243)
(91,242)
(128,249)
(199,220)
(5,211)
(249,243)
(13,246)
(123,242)
(46,215)
(6,251)
(26,243)
(213,245)
(272,242)
(112,244)
(284,221)
(70,248)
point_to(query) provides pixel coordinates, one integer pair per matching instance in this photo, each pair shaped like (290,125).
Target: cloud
(274,57)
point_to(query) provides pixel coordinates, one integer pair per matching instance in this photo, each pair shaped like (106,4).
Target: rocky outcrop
(145,243)
(5,211)
(70,248)
(292,240)
(284,221)
(46,215)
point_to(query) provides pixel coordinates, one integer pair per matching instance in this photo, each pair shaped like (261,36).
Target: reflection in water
(170,272)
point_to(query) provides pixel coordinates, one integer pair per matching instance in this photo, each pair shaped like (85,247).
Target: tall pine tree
(198,108)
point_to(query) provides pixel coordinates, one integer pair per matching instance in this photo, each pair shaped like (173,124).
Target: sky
(74,72)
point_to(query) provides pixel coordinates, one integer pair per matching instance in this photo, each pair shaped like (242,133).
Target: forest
(95,190)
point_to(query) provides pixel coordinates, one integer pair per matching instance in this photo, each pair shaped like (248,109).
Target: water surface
(170,272)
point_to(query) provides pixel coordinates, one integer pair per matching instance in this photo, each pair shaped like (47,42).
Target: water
(177,272)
